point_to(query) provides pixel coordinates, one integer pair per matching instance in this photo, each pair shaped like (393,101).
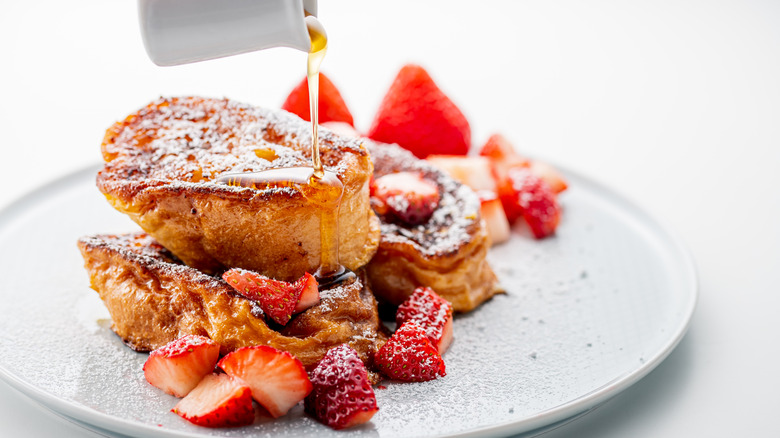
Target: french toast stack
(162,166)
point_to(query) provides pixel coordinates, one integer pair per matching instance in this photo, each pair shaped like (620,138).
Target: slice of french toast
(153,299)
(447,253)
(163,163)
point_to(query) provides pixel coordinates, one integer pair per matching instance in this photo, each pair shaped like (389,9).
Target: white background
(675,104)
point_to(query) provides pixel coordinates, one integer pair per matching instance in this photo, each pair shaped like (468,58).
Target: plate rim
(551,416)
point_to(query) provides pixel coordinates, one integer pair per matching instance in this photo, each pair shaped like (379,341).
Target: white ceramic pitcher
(183,31)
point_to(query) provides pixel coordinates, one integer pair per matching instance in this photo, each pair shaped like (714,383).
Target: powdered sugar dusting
(329,298)
(190,140)
(429,310)
(143,249)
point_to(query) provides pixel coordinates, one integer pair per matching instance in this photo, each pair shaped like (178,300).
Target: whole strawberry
(342,396)
(418,116)
(432,312)
(331,105)
(410,356)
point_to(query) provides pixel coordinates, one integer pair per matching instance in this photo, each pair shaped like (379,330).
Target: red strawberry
(527,195)
(492,213)
(310,292)
(418,116)
(410,356)
(179,366)
(342,396)
(432,312)
(277,378)
(218,401)
(502,155)
(331,105)
(278,299)
(406,195)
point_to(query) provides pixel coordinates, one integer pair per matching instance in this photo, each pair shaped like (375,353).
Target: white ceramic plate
(587,313)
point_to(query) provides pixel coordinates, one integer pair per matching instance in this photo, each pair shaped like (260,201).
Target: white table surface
(674,103)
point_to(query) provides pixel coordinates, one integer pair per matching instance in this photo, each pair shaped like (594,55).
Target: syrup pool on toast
(320,187)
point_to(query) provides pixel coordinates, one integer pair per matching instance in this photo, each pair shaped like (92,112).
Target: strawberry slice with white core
(342,396)
(179,366)
(475,172)
(432,312)
(218,401)
(310,292)
(493,214)
(405,195)
(278,380)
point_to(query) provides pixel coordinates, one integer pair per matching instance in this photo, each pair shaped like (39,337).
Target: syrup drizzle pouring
(320,187)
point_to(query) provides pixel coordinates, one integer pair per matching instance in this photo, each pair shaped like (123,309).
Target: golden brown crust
(448,253)
(154,299)
(162,164)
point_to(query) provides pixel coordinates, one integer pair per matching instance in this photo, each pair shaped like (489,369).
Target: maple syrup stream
(320,187)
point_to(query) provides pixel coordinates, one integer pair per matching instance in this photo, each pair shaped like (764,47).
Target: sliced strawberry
(552,177)
(310,292)
(419,117)
(502,155)
(405,195)
(493,214)
(410,356)
(331,105)
(475,172)
(432,312)
(342,396)
(218,401)
(525,195)
(278,299)
(341,128)
(277,378)
(179,366)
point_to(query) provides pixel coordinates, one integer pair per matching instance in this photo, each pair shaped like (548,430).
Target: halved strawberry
(310,292)
(278,380)
(218,401)
(503,157)
(342,396)
(410,356)
(493,214)
(406,195)
(525,194)
(417,115)
(432,312)
(278,299)
(179,366)
(475,172)
(331,105)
